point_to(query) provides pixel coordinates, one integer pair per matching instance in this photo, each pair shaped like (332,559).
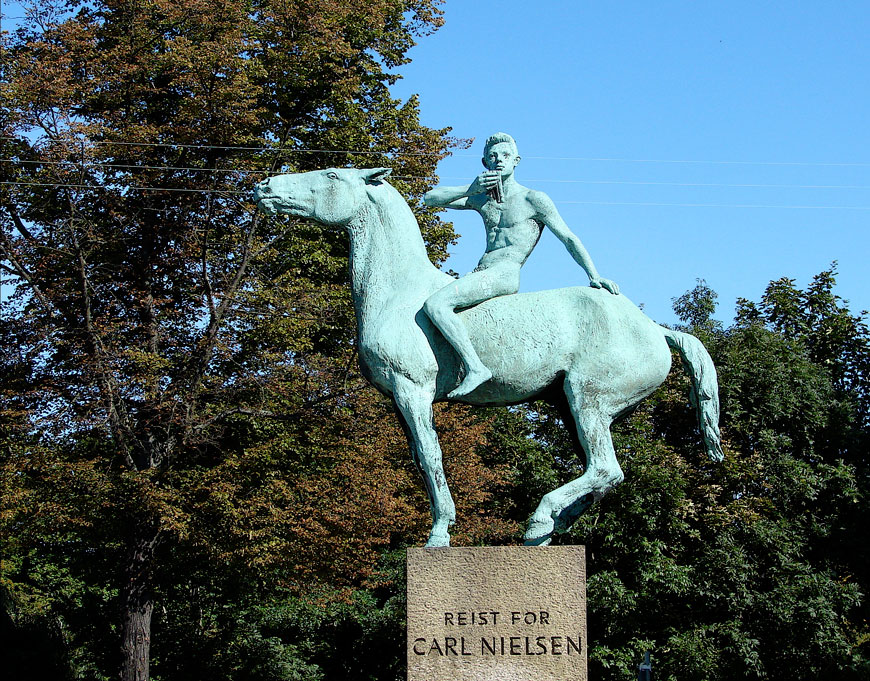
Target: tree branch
(263,413)
(118,418)
(277,237)
(21,227)
(209,291)
(209,339)
(19,269)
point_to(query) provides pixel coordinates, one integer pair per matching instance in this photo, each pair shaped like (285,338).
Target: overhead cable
(458,155)
(248,171)
(587,203)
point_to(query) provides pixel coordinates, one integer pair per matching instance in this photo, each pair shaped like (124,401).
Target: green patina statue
(514,217)
(590,352)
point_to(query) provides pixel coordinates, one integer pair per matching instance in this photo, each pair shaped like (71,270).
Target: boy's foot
(472,380)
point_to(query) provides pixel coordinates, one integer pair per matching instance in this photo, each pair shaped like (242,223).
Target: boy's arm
(447,197)
(457,197)
(548,214)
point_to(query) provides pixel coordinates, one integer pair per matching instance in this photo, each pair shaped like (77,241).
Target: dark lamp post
(644,669)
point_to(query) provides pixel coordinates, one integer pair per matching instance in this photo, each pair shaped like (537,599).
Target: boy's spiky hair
(498,137)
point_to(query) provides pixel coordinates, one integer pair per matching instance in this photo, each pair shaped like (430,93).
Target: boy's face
(503,157)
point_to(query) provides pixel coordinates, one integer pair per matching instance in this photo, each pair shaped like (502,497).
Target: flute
(496,191)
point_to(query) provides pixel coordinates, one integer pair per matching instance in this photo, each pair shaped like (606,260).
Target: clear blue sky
(730,94)
(699,106)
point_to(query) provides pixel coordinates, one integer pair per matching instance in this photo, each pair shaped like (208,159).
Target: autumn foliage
(180,371)
(195,481)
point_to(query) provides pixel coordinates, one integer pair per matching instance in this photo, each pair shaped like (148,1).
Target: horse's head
(332,196)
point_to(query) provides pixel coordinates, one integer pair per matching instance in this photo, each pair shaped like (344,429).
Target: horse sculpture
(592,354)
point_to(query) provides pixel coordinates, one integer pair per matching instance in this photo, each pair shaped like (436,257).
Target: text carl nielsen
(488,645)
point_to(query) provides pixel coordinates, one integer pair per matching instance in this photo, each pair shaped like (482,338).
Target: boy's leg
(466,291)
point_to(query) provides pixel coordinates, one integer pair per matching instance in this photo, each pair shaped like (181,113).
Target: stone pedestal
(509,613)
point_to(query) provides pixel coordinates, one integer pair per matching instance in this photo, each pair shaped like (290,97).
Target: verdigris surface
(514,217)
(591,352)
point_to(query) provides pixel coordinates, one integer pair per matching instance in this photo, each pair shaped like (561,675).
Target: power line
(76,165)
(588,203)
(699,162)
(683,184)
(254,171)
(168,189)
(91,164)
(248,171)
(706,205)
(124,188)
(431,153)
(78,143)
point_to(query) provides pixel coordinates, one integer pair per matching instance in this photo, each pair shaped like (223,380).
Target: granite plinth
(511,613)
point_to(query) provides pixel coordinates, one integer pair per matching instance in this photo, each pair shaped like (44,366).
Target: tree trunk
(137,605)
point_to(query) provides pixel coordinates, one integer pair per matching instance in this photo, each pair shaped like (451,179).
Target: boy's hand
(483,182)
(601,282)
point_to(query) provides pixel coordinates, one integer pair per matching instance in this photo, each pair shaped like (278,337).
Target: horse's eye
(332,176)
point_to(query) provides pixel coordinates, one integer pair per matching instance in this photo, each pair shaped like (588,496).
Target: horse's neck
(388,260)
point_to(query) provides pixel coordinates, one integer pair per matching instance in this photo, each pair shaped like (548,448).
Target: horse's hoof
(538,541)
(438,541)
(540,532)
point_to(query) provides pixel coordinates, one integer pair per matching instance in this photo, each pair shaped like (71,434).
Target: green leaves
(174,362)
(180,363)
(744,570)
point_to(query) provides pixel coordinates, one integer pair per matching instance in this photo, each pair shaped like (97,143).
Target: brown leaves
(190,366)
(320,506)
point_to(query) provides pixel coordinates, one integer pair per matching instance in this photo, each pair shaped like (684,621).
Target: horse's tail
(705,387)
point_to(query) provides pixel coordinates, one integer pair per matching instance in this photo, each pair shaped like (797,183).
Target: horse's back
(530,341)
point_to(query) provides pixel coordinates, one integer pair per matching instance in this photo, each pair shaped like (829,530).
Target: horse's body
(594,354)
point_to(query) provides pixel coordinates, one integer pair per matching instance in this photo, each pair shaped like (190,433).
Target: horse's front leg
(414,405)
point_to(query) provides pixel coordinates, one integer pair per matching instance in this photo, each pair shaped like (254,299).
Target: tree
(754,568)
(144,284)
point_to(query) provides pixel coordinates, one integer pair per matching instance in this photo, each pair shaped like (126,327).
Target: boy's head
(497,147)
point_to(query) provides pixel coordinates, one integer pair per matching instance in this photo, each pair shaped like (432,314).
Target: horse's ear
(372,175)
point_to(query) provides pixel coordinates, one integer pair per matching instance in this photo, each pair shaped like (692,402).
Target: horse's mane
(396,215)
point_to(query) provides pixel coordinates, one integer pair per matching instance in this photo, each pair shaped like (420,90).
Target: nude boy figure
(514,217)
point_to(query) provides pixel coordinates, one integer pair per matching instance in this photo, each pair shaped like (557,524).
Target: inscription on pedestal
(501,613)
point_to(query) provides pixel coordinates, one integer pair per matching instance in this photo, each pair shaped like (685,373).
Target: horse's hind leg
(415,408)
(560,508)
